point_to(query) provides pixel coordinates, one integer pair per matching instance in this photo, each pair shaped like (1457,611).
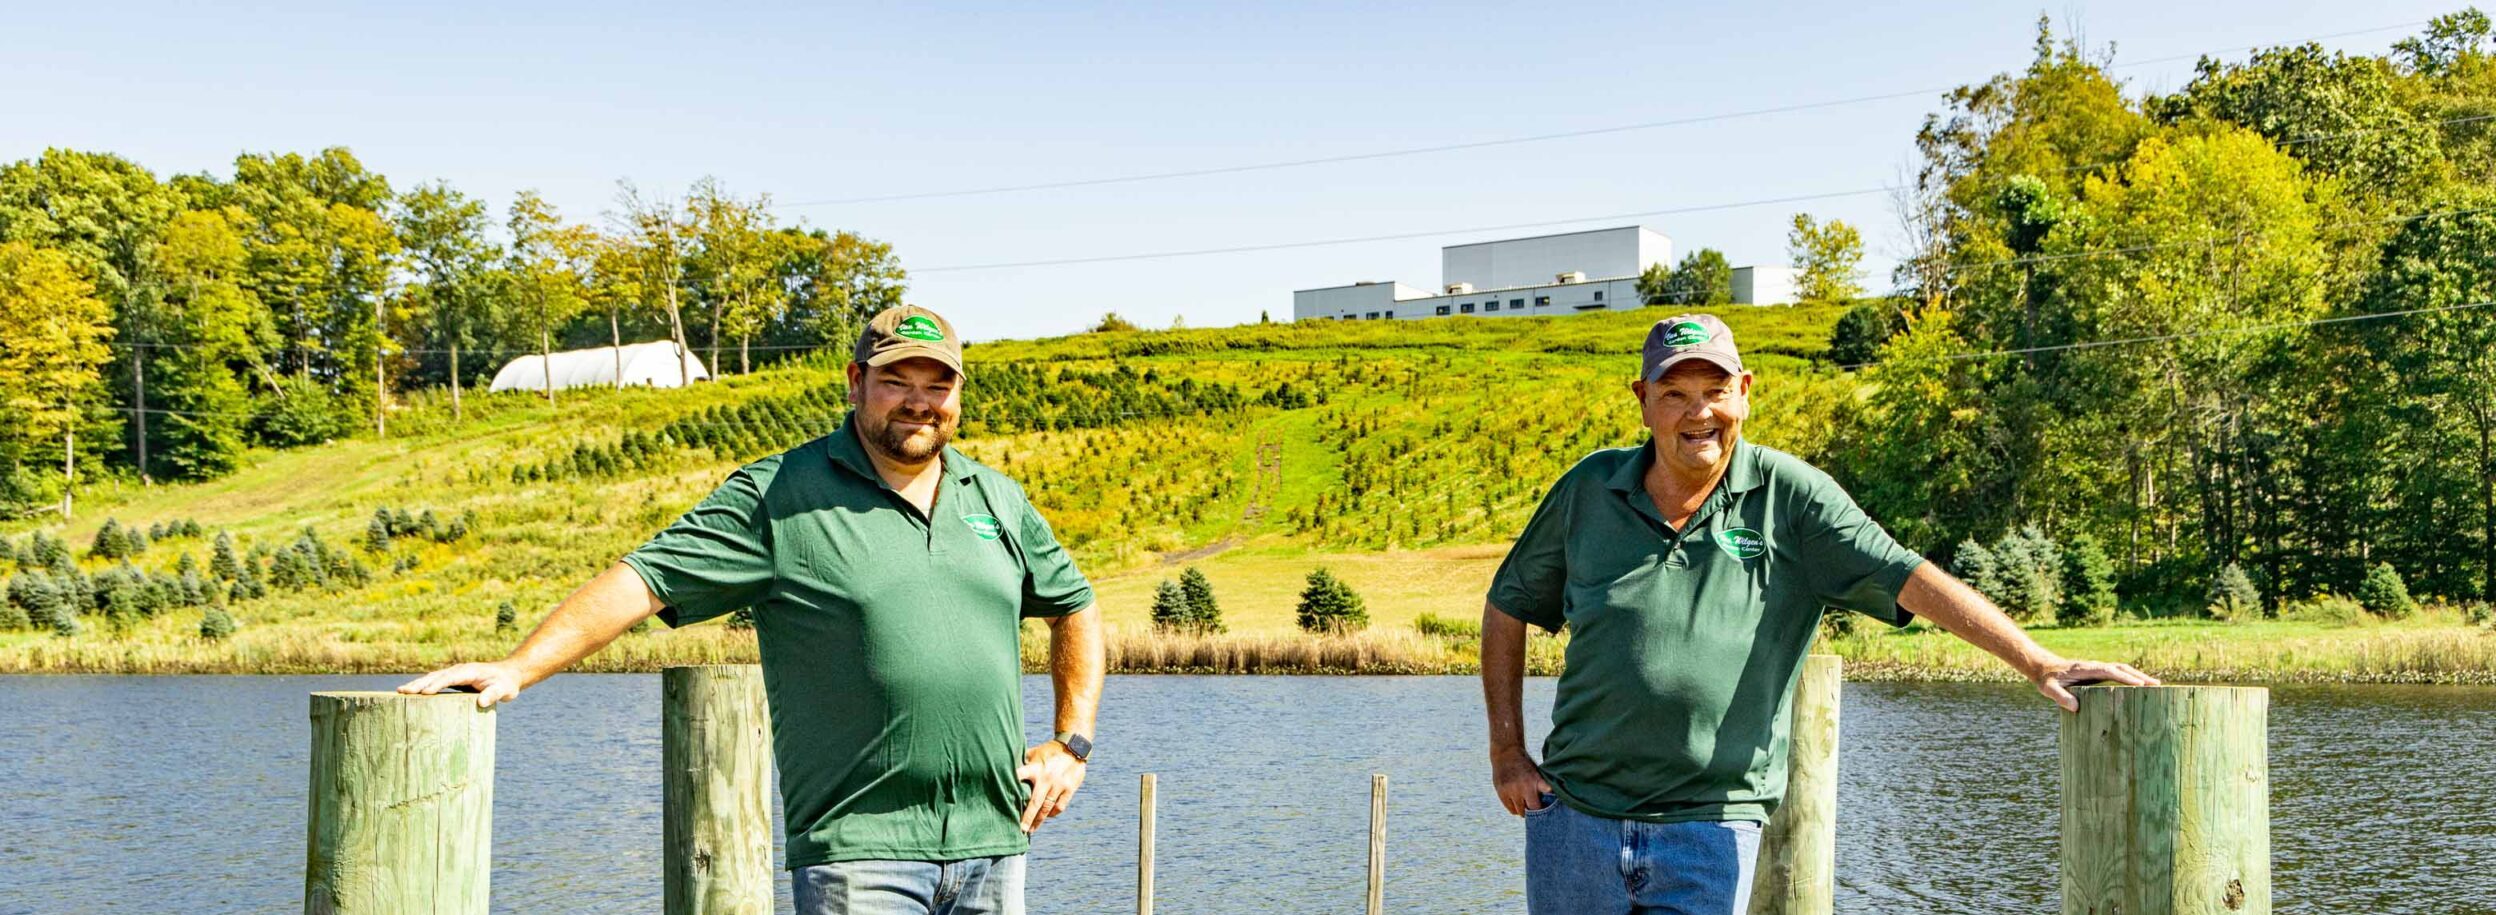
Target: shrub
(377,532)
(2088,584)
(2479,613)
(216,625)
(506,617)
(1436,626)
(2231,595)
(1204,612)
(221,561)
(1170,610)
(16,610)
(2324,608)
(1327,605)
(741,619)
(2384,594)
(2022,573)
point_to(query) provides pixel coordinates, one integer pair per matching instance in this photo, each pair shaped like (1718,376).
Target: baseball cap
(908,332)
(1681,338)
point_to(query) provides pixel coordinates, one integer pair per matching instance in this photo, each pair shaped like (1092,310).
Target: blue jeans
(1577,863)
(976,886)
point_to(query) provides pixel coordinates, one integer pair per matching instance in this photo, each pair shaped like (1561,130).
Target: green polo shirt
(1686,645)
(890,642)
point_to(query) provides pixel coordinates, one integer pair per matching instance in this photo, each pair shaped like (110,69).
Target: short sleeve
(1532,582)
(1051,585)
(714,560)
(1852,561)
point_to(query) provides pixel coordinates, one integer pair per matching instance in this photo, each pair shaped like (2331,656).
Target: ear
(857,372)
(1745,385)
(1639,387)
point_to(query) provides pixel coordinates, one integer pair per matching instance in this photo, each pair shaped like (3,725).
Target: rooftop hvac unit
(1571,277)
(1460,289)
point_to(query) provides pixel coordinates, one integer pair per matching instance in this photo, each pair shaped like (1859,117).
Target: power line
(1485,144)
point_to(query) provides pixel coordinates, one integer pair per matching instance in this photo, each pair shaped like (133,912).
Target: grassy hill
(1400,454)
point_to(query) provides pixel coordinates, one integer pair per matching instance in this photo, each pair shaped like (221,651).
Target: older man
(888,575)
(1693,571)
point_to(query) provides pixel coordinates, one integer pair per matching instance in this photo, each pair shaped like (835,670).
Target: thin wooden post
(1377,844)
(2166,802)
(715,740)
(402,804)
(1144,847)
(1797,871)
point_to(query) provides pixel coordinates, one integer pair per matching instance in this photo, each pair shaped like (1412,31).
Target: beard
(886,435)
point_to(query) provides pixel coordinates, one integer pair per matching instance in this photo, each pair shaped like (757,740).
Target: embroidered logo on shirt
(984,527)
(1742,542)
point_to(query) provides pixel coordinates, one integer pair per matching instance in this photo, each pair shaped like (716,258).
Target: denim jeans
(1577,863)
(977,886)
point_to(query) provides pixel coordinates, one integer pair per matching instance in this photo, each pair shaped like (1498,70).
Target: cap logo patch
(1741,543)
(984,527)
(1685,333)
(921,327)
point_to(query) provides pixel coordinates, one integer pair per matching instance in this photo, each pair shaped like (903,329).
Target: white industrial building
(1560,274)
(638,364)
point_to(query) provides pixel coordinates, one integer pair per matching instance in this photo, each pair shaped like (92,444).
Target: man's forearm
(1958,609)
(585,622)
(1078,657)
(1503,678)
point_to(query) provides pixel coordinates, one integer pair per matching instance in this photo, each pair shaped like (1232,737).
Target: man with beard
(1692,572)
(888,575)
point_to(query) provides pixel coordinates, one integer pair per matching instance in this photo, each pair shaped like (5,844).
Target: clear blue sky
(816,102)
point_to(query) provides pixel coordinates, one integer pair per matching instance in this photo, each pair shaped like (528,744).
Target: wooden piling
(402,805)
(1377,844)
(1797,870)
(1144,846)
(715,746)
(2166,802)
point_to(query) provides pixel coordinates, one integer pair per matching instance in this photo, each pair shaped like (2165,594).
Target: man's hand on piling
(1053,773)
(493,682)
(1519,782)
(2055,678)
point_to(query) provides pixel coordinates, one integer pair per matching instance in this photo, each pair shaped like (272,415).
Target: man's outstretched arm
(585,622)
(1958,609)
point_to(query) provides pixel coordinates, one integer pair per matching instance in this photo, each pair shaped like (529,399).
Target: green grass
(1433,442)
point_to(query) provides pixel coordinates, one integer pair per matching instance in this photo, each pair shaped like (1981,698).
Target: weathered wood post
(1144,847)
(1377,844)
(402,804)
(1797,871)
(715,743)
(2166,802)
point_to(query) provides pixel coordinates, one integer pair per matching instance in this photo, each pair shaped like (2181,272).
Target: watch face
(1077,745)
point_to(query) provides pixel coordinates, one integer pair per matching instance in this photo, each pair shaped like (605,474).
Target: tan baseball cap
(909,332)
(1681,338)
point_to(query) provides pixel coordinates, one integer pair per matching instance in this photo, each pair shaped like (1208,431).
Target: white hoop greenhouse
(641,364)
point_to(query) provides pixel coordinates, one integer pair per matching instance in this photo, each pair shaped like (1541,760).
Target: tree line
(158,326)
(2295,257)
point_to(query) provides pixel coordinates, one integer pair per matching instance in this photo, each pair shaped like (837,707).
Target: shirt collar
(847,451)
(1745,474)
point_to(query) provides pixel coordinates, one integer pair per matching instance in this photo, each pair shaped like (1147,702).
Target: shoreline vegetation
(2434,647)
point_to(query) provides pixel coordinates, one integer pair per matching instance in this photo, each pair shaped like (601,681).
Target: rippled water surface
(186,795)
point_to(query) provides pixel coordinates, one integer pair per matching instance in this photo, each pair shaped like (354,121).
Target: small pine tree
(1329,606)
(741,619)
(191,528)
(2231,595)
(2384,594)
(15,608)
(216,625)
(49,550)
(221,561)
(1170,610)
(2088,583)
(137,539)
(377,533)
(1204,613)
(110,541)
(506,617)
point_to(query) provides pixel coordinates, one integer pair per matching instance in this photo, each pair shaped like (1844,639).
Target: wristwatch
(1076,744)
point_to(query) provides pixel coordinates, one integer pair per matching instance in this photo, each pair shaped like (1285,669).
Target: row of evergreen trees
(50,591)
(2037,579)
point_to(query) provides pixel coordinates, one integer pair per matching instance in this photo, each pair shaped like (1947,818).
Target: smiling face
(1695,412)
(906,411)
